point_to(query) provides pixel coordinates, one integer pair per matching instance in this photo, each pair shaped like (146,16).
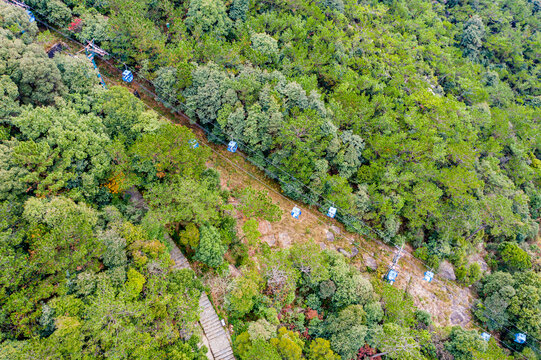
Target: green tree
(170,152)
(395,342)
(184,200)
(251,232)
(165,84)
(63,151)
(190,236)
(36,76)
(513,258)
(239,9)
(254,203)
(134,284)
(9,94)
(15,20)
(346,331)
(240,299)
(472,37)
(463,343)
(125,115)
(288,344)
(321,349)
(211,250)
(264,44)
(207,16)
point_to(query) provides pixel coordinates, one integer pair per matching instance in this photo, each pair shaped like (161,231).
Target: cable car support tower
(91,51)
(392,273)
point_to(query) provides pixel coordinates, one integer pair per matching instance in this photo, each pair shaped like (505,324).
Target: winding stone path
(219,342)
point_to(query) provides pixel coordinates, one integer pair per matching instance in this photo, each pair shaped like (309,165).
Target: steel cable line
(268,172)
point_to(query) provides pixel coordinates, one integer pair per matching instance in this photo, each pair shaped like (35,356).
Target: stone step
(204,301)
(215,334)
(228,356)
(207,319)
(223,351)
(214,330)
(219,335)
(211,325)
(222,354)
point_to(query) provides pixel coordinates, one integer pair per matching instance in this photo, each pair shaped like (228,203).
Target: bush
(211,250)
(423,317)
(189,238)
(513,258)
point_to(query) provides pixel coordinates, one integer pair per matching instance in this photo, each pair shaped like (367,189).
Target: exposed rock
(285,240)
(322,245)
(477,258)
(234,271)
(344,252)
(354,251)
(335,229)
(446,270)
(269,239)
(458,319)
(330,236)
(370,262)
(265,227)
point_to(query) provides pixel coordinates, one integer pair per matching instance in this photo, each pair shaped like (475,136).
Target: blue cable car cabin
(391,276)
(429,275)
(127,76)
(332,212)
(520,338)
(31,15)
(232,146)
(296,213)
(194,143)
(485,336)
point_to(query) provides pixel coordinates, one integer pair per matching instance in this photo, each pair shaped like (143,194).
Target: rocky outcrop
(370,262)
(447,271)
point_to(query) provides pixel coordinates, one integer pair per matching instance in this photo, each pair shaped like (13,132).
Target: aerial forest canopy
(419,120)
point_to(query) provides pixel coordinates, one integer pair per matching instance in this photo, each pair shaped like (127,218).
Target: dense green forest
(418,119)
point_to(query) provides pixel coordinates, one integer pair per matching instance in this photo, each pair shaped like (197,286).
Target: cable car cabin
(31,16)
(485,336)
(332,212)
(520,338)
(194,143)
(127,76)
(391,276)
(296,212)
(232,146)
(429,275)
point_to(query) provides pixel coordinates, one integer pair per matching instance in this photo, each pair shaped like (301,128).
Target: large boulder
(330,236)
(477,258)
(269,239)
(447,271)
(284,239)
(370,262)
(265,227)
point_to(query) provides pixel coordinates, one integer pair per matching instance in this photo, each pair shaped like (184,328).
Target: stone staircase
(218,339)
(178,257)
